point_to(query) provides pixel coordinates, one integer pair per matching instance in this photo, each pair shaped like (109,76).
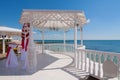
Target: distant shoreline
(100,45)
(67,41)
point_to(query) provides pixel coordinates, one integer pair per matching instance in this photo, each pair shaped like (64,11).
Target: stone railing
(98,63)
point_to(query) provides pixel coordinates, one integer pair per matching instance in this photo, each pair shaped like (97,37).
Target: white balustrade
(92,61)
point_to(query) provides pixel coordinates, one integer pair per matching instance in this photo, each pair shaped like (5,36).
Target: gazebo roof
(53,19)
(9,31)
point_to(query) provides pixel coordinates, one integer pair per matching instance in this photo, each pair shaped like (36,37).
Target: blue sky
(104,16)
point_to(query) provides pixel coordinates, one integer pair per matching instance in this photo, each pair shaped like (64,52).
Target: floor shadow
(43,60)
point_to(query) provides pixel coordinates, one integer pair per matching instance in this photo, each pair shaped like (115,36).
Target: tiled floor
(50,67)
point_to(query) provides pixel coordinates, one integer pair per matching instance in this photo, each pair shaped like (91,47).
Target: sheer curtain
(32,58)
(12,58)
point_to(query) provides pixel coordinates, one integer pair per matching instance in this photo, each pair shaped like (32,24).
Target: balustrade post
(81,60)
(118,69)
(78,59)
(94,63)
(99,64)
(105,57)
(85,60)
(90,63)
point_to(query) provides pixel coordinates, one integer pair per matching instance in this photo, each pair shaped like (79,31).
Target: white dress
(24,56)
(12,59)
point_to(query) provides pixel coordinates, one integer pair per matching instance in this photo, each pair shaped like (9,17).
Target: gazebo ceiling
(53,19)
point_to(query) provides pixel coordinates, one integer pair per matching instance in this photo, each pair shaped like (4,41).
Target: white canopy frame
(55,20)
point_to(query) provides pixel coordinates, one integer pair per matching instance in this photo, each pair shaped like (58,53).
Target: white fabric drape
(32,58)
(24,53)
(12,59)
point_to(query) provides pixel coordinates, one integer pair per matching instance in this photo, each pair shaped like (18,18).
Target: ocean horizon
(100,45)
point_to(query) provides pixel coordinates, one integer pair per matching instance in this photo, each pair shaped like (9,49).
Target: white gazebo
(7,31)
(55,20)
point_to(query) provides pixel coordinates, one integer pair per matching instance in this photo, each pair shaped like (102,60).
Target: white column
(81,35)
(43,41)
(75,37)
(75,45)
(3,44)
(64,41)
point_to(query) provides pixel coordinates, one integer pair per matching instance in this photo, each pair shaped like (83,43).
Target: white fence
(95,62)
(90,61)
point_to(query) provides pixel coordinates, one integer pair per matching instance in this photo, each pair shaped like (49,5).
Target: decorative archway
(55,20)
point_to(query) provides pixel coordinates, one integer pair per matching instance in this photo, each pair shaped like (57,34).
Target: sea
(100,45)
